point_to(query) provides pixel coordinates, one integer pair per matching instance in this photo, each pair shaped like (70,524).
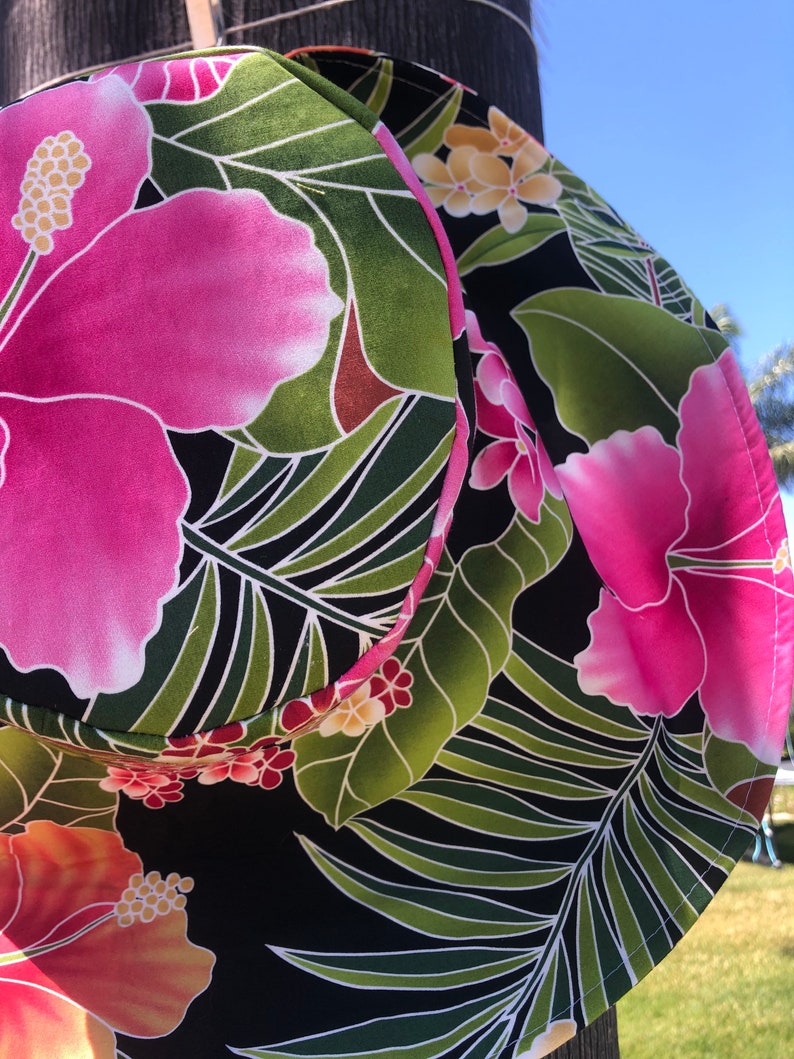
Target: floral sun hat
(392,663)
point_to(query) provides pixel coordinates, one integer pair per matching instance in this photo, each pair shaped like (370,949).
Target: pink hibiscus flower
(685,541)
(174,80)
(518,453)
(119,324)
(90,945)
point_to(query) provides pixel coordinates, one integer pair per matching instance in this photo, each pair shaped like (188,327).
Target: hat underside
(453,745)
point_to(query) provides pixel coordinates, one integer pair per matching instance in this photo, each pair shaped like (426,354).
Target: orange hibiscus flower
(89,945)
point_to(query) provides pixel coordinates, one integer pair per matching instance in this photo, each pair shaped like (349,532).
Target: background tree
(772,393)
(771,385)
(487,44)
(726,322)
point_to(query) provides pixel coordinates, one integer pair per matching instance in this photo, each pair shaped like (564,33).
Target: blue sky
(682,116)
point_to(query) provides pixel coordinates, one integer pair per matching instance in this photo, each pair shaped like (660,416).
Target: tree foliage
(771,386)
(772,393)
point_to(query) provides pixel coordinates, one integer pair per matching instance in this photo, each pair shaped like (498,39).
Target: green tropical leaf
(553,681)
(416,1036)
(603,974)
(593,995)
(426,133)
(613,363)
(323,476)
(675,883)
(390,488)
(729,763)
(642,918)
(374,86)
(164,652)
(489,811)
(550,1002)
(616,248)
(413,352)
(683,824)
(697,788)
(184,673)
(615,256)
(470,604)
(326,87)
(610,252)
(361,545)
(498,246)
(38,782)
(412,969)
(434,913)
(678,299)
(507,768)
(492,1040)
(461,866)
(624,908)
(686,750)
(547,742)
(653,889)
(248,474)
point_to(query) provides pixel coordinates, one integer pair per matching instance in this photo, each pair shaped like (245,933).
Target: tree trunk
(487,44)
(599,1040)
(482,46)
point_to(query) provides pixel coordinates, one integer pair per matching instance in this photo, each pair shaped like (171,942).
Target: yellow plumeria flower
(508,187)
(451,183)
(502,136)
(355,714)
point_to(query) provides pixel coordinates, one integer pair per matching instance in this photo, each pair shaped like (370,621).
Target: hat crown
(228,405)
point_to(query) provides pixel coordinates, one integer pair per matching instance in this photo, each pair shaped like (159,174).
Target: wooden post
(487,44)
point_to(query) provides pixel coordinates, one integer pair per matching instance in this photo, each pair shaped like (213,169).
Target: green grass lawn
(727,989)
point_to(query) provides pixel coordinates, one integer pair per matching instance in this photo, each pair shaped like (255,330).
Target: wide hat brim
(551,773)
